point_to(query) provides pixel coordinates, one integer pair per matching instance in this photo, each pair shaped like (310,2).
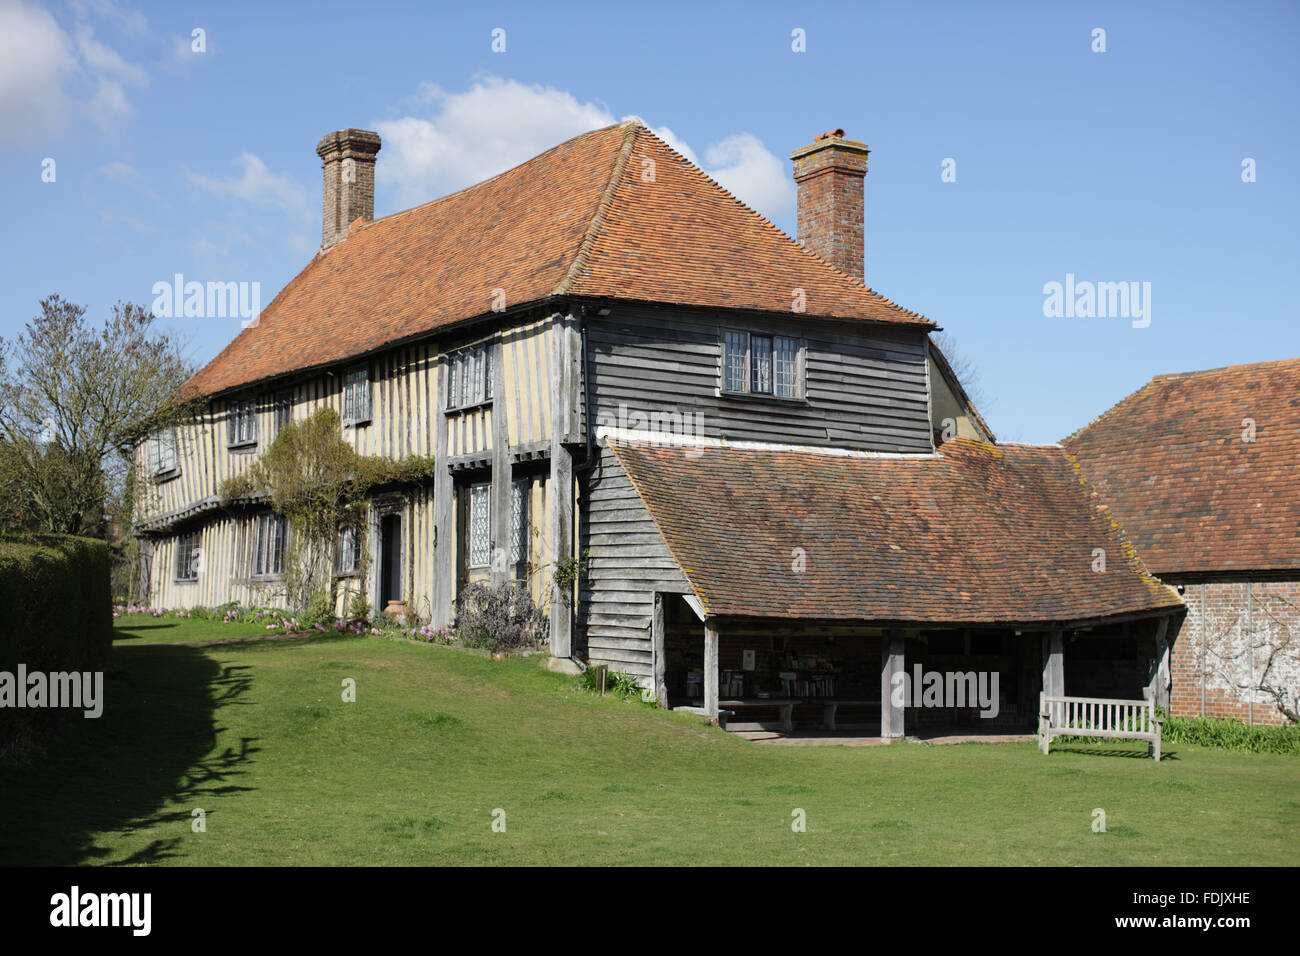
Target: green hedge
(56,613)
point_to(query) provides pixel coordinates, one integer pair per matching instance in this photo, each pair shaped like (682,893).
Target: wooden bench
(784,708)
(1099,717)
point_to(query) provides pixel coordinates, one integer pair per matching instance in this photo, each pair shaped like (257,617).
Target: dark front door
(390,560)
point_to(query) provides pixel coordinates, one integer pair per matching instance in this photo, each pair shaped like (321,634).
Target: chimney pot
(829,173)
(348,166)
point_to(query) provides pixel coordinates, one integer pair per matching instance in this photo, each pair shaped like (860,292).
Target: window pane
(487,372)
(453,396)
(480,526)
(785,354)
(519,521)
(760,360)
(734,360)
(467,378)
(277,557)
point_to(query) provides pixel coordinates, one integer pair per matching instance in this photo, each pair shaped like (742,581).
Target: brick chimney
(348,160)
(829,173)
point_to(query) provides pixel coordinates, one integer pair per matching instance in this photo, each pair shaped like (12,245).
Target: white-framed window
(161,451)
(187,556)
(519,521)
(267,557)
(356,397)
(283,405)
(348,554)
(760,364)
(480,525)
(241,423)
(469,376)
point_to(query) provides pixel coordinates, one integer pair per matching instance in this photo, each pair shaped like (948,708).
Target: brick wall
(1225,639)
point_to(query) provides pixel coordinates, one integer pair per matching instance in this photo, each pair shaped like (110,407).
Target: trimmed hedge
(56,611)
(56,614)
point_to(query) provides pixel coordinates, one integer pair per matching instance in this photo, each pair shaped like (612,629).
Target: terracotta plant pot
(396,609)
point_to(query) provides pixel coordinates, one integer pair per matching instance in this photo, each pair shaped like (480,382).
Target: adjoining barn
(1201,469)
(796,582)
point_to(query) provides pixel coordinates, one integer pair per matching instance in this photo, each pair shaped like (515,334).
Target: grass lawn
(257,735)
(147,629)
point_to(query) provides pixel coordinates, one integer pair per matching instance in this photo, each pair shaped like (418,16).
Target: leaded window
(760,364)
(480,525)
(162,452)
(519,521)
(268,545)
(469,376)
(241,423)
(356,397)
(187,555)
(348,558)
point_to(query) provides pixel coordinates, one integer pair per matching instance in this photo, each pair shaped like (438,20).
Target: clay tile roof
(1195,497)
(975,534)
(615,213)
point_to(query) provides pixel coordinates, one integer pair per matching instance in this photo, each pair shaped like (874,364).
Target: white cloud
(36,59)
(47,77)
(497,124)
(494,125)
(257,184)
(101,59)
(750,172)
(133,21)
(127,175)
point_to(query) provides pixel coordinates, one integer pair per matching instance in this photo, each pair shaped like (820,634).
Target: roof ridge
(574,276)
(781,234)
(1224,368)
(491,179)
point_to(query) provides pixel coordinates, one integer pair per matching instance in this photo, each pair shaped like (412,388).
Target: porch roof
(976,534)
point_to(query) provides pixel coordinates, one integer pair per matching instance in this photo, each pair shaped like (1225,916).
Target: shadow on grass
(147,762)
(1094,751)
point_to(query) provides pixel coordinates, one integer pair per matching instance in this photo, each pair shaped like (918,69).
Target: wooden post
(563,383)
(711,669)
(1054,664)
(891,663)
(657,644)
(1159,683)
(444,524)
(500,513)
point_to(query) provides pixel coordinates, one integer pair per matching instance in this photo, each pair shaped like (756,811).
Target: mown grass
(258,736)
(147,629)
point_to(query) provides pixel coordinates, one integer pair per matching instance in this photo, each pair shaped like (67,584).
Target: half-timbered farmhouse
(777,492)
(1201,468)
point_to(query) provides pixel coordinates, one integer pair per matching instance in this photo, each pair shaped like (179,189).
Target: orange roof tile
(977,534)
(583,219)
(1195,497)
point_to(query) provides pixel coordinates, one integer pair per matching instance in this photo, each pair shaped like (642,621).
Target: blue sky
(1117,166)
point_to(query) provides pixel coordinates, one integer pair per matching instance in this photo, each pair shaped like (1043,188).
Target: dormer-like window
(241,424)
(756,364)
(161,453)
(356,398)
(469,376)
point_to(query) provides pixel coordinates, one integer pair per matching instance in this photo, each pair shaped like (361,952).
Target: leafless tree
(71,395)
